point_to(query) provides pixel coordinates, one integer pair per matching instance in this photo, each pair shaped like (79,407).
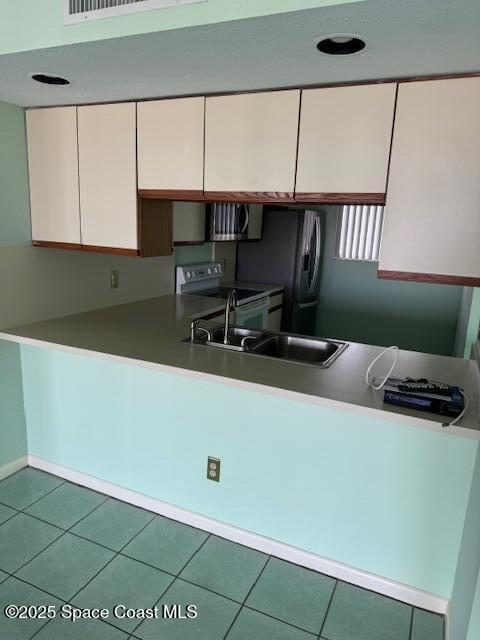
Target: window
(359,232)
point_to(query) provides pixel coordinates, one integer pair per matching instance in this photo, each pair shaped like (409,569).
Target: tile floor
(62,544)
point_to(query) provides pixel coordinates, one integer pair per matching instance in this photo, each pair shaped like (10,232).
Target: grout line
(176,576)
(411,624)
(14,474)
(328,610)
(22,510)
(117,553)
(37,554)
(246,598)
(30,584)
(290,624)
(69,530)
(9,518)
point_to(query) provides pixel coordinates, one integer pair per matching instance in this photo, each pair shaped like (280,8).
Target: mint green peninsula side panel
(376,495)
(474,628)
(13,435)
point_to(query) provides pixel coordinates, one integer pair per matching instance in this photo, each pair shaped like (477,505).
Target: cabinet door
(108,180)
(53,168)
(188,222)
(250,145)
(432,219)
(255,214)
(344,143)
(170,145)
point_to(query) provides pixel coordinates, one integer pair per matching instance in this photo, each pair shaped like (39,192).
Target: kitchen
(279,462)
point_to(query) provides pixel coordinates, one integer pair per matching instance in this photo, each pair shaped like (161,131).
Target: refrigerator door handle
(307,305)
(316,253)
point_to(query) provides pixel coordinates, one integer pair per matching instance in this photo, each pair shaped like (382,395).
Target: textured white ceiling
(404,38)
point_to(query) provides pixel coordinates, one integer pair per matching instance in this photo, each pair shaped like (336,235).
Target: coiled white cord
(370,382)
(374,362)
(466,402)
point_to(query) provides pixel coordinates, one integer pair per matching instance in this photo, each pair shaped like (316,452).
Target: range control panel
(207,273)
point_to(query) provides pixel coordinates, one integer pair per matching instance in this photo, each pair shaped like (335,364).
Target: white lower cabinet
(275,320)
(275,312)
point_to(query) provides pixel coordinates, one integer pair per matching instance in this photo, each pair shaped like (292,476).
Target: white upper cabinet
(108,175)
(432,218)
(170,144)
(344,143)
(53,169)
(251,142)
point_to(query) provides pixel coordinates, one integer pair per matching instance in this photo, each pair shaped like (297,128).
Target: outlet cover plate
(114,279)
(213,469)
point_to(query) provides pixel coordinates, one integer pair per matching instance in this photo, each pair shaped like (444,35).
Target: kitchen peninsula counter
(150,333)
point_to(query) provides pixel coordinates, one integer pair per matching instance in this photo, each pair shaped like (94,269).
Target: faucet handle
(243,344)
(194,328)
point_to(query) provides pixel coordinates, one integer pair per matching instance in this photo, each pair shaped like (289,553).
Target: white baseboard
(11,467)
(384,586)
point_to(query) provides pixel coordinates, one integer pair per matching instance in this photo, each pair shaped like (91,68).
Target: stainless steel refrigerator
(289,253)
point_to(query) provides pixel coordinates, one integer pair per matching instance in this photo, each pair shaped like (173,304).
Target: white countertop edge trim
(378,414)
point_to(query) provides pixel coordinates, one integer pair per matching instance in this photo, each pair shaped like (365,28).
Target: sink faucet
(231,301)
(194,329)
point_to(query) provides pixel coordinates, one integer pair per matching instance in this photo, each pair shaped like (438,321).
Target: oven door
(253,315)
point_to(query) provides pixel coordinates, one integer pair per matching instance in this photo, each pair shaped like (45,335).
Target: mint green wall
(189,254)
(13,435)
(474,627)
(468,567)
(14,201)
(473,323)
(355,305)
(30,24)
(373,494)
(14,231)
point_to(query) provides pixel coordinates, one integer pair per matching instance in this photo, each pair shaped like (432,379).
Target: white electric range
(203,279)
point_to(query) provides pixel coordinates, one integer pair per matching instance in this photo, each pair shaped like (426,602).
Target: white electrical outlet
(213,469)
(114,279)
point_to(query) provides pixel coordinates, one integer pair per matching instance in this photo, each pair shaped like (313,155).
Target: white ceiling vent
(82,10)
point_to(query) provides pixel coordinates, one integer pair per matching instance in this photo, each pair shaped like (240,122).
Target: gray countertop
(218,304)
(150,333)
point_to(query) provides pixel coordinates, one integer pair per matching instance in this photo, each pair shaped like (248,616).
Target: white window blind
(359,232)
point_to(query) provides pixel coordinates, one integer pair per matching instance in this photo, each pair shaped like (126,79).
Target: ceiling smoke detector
(341,45)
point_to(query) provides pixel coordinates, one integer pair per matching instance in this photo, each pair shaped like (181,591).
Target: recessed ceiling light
(341,45)
(46,78)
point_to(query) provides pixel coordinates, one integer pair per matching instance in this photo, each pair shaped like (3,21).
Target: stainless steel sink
(300,349)
(281,346)
(236,336)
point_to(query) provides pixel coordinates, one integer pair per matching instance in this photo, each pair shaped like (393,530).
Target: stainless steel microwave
(227,221)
